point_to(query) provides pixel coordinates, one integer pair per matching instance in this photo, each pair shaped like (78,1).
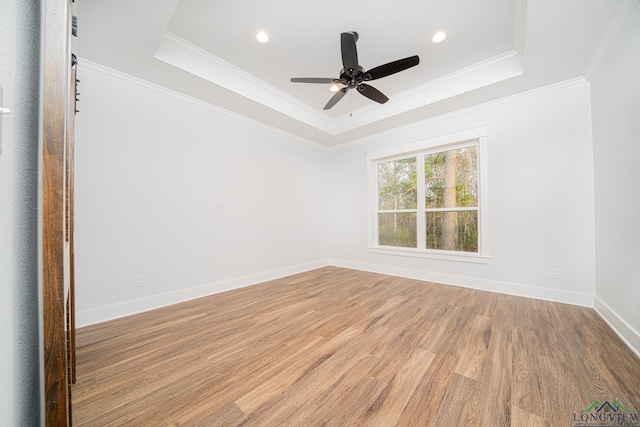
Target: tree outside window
(397,203)
(451,199)
(429,200)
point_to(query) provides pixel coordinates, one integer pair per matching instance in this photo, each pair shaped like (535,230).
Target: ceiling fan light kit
(353,76)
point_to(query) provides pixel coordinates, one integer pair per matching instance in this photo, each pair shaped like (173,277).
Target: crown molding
(188,57)
(192,59)
(520,26)
(617,24)
(484,73)
(86,64)
(526,94)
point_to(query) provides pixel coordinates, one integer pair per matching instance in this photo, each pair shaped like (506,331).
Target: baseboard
(127,308)
(547,294)
(114,311)
(630,336)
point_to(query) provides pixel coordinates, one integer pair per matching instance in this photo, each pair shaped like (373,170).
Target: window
(397,202)
(428,199)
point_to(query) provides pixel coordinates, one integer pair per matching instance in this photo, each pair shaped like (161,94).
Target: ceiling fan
(353,76)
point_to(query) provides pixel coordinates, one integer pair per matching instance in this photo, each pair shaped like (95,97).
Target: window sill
(439,255)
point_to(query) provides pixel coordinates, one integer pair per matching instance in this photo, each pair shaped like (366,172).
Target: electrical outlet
(554,273)
(142,280)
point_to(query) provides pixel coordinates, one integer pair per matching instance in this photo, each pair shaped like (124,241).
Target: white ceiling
(206,49)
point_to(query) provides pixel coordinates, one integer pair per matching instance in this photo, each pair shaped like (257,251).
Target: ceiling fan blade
(392,68)
(349,52)
(337,97)
(372,93)
(314,80)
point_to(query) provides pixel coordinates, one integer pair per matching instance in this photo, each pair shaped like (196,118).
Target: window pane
(451,178)
(452,231)
(397,184)
(397,229)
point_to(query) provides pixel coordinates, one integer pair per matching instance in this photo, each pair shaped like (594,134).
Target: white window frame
(477,136)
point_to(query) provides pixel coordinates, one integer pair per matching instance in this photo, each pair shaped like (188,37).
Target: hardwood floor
(338,347)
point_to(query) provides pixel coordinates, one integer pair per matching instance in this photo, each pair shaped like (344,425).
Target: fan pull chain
(350,104)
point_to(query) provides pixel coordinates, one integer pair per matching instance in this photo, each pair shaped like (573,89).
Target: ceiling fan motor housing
(353,78)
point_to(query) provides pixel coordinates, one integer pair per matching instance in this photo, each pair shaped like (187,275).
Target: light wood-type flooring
(338,347)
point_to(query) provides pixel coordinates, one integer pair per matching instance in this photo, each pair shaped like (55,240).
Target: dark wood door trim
(55,81)
(70,169)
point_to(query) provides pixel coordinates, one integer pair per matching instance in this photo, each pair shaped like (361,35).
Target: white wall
(200,201)
(197,200)
(20,367)
(615,101)
(540,191)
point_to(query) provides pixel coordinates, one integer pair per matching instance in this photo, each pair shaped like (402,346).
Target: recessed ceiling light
(334,88)
(262,37)
(438,37)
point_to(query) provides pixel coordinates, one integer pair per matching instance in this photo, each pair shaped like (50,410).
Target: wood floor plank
(278,384)
(228,415)
(472,357)
(561,392)
(325,409)
(496,382)
(389,406)
(352,408)
(459,407)
(526,386)
(334,347)
(430,392)
(522,418)
(449,333)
